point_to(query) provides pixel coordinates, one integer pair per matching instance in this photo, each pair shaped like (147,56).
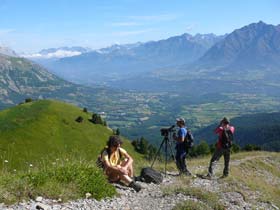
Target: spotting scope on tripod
(166,133)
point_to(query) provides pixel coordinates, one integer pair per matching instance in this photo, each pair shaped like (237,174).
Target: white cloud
(64,53)
(57,54)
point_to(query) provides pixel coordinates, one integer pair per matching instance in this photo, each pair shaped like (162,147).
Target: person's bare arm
(178,139)
(129,160)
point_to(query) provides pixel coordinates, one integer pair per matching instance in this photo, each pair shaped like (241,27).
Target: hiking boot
(208,176)
(137,179)
(135,186)
(187,173)
(224,176)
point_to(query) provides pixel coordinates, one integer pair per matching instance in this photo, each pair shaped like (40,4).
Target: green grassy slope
(45,130)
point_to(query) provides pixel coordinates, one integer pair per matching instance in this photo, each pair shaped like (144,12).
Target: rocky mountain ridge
(7,51)
(250,47)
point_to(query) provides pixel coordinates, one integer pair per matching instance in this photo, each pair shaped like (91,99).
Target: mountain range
(251,53)
(247,58)
(122,61)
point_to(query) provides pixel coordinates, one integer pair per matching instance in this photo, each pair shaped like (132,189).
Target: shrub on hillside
(251,147)
(202,149)
(96,119)
(212,148)
(117,132)
(27,100)
(199,150)
(79,119)
(235,148)
(143,147)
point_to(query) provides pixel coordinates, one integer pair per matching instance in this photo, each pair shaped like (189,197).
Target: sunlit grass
(205,199)
(250,173)
(47,129)
(64,180)
(259,174)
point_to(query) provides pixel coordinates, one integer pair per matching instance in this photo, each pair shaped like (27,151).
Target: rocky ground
(152,196)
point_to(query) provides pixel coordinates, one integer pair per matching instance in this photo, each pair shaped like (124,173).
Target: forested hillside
(259,129)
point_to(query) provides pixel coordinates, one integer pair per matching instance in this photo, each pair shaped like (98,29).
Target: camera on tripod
(165,144)
(166,131)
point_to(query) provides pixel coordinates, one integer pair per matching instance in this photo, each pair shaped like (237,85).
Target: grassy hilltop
(45,131)
(44,151)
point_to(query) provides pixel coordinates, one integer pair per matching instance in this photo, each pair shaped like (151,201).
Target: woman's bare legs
(129,168)
(115,176)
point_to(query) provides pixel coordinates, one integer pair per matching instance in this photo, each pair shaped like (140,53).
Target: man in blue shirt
(181,149)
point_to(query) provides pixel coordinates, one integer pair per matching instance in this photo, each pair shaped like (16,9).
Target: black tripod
(165,142)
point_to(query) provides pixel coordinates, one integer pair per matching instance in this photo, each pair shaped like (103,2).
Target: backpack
(189,140)
(226,138)
(99,162)
(149,175)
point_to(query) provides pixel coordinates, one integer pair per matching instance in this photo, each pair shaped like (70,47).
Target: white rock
(88,195)
(42,206)
(39,199)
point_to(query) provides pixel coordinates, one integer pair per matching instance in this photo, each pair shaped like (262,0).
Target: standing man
(225,132)
(181,149)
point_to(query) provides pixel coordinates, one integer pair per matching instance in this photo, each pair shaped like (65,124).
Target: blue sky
(31,25)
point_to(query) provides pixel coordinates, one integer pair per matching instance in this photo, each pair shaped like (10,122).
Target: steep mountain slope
(7,51)
(45,130)
(124,60)
(250,48)
(19,78)
(259,129)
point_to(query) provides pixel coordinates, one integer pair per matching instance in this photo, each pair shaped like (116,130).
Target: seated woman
(118,163)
